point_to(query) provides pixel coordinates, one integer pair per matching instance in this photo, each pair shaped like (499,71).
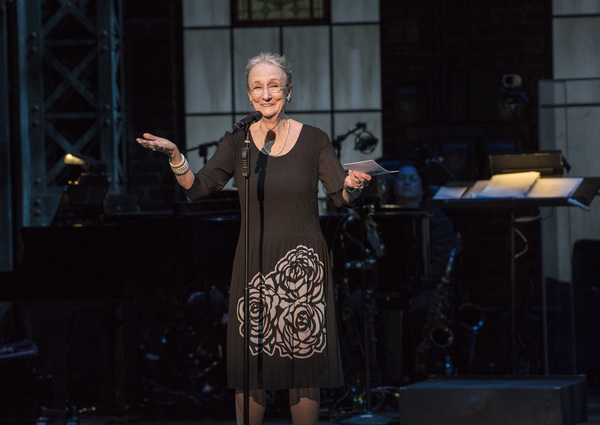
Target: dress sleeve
(331,172)
(217,171)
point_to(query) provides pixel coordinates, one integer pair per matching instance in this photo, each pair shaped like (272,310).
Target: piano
(145,273)
(124,251)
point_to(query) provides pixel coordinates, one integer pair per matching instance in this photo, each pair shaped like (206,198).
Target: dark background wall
(154,67)
(443,64)
(442,69)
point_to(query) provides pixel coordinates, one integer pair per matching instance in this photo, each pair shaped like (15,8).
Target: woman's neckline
(261,150)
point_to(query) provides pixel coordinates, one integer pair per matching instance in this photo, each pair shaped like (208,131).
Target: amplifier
(548,400)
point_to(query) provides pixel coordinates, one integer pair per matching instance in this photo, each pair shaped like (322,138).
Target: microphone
(245,122)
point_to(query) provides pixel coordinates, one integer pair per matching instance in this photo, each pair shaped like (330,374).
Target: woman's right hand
(155,143)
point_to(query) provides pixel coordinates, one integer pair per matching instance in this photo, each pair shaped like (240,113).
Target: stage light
(515,97)
(82,199)
(73,160)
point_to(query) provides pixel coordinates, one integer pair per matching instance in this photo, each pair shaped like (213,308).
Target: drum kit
(182,351)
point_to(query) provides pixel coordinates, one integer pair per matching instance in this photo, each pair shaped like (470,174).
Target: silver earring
(288,98)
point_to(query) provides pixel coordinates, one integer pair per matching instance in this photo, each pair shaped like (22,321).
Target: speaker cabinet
(548,400)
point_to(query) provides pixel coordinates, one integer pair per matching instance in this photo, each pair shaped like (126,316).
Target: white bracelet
(182,168)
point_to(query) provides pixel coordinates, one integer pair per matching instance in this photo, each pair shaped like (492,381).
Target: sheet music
(474,191)
(558,187)
(515,187)
(446,192)
(512,185)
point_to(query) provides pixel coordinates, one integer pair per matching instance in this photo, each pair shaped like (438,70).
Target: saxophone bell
(471,316)
(441,336)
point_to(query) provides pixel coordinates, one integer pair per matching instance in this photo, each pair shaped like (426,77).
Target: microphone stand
(203,149)
(246,175)
(369,270)
(434,158)
(337,142)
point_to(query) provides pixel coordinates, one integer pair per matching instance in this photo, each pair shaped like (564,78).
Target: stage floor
(593,412)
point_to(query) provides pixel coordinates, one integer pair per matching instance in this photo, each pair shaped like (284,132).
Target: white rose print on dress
(287,307)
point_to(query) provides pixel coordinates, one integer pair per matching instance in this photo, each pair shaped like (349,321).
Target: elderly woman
(293,341)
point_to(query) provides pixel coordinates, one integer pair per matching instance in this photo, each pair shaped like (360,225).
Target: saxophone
(437,332)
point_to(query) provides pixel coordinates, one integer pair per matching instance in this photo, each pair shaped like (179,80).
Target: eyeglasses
(259,90)
(407,177)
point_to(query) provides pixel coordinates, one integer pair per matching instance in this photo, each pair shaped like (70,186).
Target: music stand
(371,249)
(548,164)
(581,197)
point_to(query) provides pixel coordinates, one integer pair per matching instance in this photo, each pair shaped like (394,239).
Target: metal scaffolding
(6,217)
(70,74)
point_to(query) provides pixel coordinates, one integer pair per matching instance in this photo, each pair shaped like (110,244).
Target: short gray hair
(274,59)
